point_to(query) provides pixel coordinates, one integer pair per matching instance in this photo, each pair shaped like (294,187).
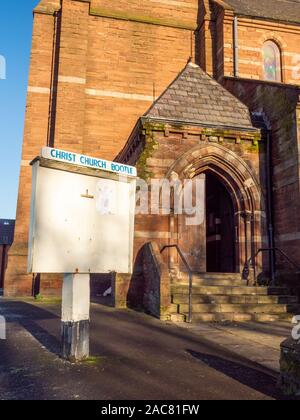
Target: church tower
(96,67)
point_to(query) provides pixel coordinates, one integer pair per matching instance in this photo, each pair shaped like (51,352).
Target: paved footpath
(258,342)
(135,357)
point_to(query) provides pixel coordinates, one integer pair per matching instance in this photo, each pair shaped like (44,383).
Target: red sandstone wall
(137,62)
(109,61)
(182,12)
(280,105)
(251,36)
(35,136)
(166,145)
(113,61)
(94,72)
(217,36)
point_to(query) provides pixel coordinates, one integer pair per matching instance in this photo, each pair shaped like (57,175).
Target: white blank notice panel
(80,223)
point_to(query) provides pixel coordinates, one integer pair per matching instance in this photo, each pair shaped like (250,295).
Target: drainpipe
(54,76)
(270,209)
(236,46)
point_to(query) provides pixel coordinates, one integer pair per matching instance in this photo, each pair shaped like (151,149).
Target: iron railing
(252,260)
(190,272)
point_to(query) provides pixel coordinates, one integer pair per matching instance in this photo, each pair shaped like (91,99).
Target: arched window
(272,62)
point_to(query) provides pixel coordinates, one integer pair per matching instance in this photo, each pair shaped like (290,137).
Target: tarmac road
(135,357)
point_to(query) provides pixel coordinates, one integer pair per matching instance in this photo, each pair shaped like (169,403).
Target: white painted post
(75,316)
(81,220)
(2,328)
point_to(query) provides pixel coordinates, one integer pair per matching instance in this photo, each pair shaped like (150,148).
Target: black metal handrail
(278,250)
(190,315)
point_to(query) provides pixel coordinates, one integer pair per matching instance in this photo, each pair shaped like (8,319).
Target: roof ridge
(195,97)
(167,88)
(271,10)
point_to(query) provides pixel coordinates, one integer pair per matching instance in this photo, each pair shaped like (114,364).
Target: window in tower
(272,62)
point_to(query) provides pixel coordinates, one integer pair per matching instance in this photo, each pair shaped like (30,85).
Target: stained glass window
(271,62)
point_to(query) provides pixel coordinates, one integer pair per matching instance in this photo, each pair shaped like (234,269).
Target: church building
(199,90)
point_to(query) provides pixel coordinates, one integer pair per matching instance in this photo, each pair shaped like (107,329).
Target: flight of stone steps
(221,297)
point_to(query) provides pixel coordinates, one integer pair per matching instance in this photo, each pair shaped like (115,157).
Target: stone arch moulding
(241,183)
(234,172)
(275,37)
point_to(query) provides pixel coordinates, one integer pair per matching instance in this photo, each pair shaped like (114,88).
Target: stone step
(219,297)
(241,309)
(239,299)
(237,317)
(205,280)
(211,276)
(217,282)
(178,318)
(273,317)
(180,289)
(173,308)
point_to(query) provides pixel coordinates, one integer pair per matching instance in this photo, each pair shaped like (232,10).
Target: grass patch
(94,361)
(48,300)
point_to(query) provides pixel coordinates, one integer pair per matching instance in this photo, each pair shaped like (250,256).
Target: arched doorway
(220,227)
(231,179)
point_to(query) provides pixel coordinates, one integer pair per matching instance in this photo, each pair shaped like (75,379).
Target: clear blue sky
(15,44)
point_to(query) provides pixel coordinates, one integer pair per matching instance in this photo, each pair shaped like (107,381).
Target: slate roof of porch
(196,98)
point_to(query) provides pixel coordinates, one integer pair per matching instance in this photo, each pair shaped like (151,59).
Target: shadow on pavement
(103,301)
(139,357)
(253,378)
(49,341)
(28,316)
